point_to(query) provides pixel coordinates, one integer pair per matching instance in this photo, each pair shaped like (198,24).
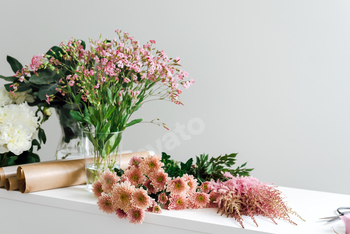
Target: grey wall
(272,78)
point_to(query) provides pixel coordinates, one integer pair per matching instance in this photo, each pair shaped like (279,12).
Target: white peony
(4,97)
(18,126)
(7,98)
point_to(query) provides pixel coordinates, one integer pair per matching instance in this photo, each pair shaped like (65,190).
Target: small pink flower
(153,41)
(97,188)
(191,182)
(149,187)
(108,179)
(198,200)
(134,176)
(162,198)
(105,203)
(140,199)
(135,161)
(136,215)
(121,195)
(213,199)
(48,99)
(159,179)
(21,78)
(120,213)
(151,164)
(157,209)
(177,202)
(177,186)
(205,187)
(71,83)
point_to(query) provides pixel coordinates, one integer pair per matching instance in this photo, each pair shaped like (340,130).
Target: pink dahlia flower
(213,199)
(150,187)
(191,182)
(120,213)
(134,176)
(162,198)
(159,180)
(198,200)
(121,195)
(135,161)
(205,187)
(151,164)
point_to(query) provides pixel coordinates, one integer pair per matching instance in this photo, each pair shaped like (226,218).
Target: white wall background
(272,77)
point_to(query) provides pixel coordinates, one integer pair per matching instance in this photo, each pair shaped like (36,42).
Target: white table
(74,210)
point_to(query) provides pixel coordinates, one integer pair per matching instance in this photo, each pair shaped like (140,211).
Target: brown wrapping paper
(6,172)
(44,176)
(11,183)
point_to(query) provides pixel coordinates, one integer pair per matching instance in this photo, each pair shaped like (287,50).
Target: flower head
(108,179)
(162,198)
(136,215)
(105,203)
(159,179)
(150,187)
(177,186)
(198,200)
(213,199)
(121,195)
(205,187)
(140,199)
(177,202)
(191,182)
(151,164)
(120,213)
(97,188)
(134,176)
(157,209)
(135,161)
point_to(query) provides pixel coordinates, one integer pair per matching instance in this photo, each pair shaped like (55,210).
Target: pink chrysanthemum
(205,187)
(136,215)
(213,199)
(135,161)
(105,203)
(121,195)
(134,176)
(157,209)
(151,164)
(177,186)
(191,182)
(177,202)
(97,188)
(198,200)
(149,187)
(159,180)
(162,198)
(140,199)
(108,179)
(121,214)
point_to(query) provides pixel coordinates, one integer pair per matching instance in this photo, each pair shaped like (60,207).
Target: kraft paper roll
(44,176)
(11,183)
(6,172)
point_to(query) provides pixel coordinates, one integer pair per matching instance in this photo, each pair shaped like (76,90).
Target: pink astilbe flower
(205,187)
(36,62)
(248,196)
(134,176)
(151,164)
(120,213)
(136,215)
(177,202)
(135,161)
(97,188)
(213,200)
(177,186)
(108,179)
(159,179)
(105,203)
(121,195)
(198,200)
(191,182)
(140,199)
(162,198)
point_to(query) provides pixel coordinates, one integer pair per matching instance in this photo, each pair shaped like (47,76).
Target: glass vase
(69,145)
(102,151)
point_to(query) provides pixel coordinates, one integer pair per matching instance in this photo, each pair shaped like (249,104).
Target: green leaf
(35,142)
(11,160)
(49,89)
(109,96)
(15,65)
(133,122)
(20,88)
(77,116)
(8,78)
(55,52)
(45,76)
(41,136)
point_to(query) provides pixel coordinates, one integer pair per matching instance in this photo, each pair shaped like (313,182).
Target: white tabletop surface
(311,205)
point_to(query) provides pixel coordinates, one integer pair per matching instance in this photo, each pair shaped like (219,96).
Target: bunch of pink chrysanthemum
(248,196)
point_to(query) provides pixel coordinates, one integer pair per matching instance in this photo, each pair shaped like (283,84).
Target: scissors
(340,213)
